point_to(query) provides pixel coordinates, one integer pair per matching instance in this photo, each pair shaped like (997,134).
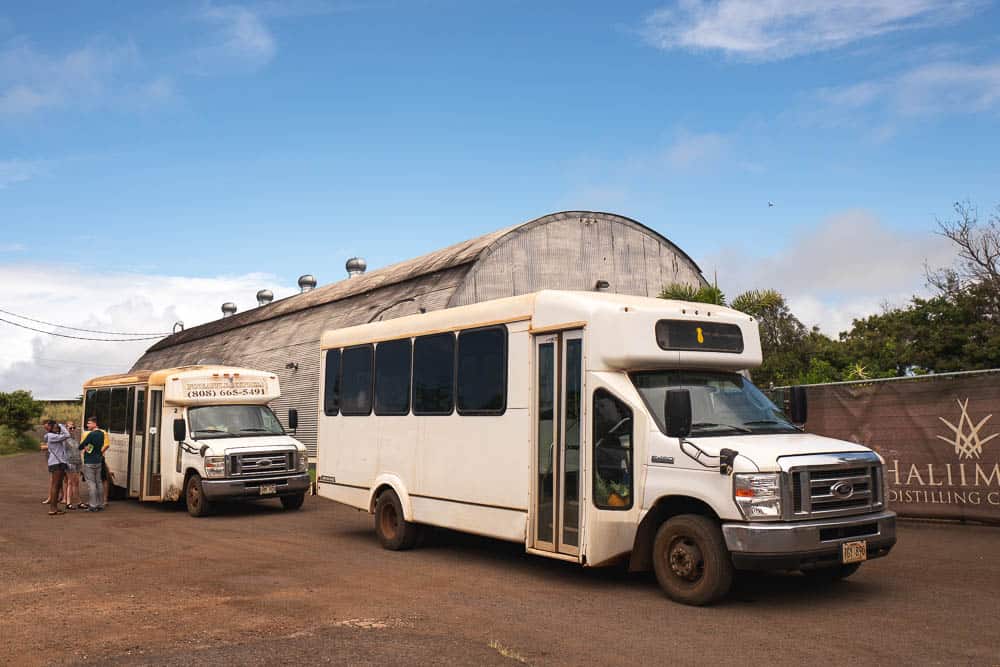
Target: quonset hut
(573,250)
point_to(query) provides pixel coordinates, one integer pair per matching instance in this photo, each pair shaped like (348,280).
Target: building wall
(562,251)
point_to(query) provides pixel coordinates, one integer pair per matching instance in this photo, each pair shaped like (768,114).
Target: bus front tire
(194,497)
(293,502)
(691,561)
(394,532)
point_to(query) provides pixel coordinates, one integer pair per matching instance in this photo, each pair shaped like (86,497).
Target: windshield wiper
(255,430)
(210,430)
(742,429)
(771,421)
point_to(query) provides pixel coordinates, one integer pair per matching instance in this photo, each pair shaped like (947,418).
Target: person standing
(74,464)
(93,447)
(56,436)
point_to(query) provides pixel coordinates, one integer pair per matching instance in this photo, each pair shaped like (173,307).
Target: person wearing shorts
(56,436)
(74,468)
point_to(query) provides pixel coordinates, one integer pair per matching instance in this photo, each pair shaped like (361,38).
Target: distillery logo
(965,437)
(970,481)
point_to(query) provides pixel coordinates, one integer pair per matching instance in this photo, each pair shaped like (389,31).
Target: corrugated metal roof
(458,254)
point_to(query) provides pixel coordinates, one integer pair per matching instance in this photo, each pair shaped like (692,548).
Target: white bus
(201,433)
(593,427)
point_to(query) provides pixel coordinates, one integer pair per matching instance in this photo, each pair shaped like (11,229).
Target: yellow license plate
(270,489)
(854,552)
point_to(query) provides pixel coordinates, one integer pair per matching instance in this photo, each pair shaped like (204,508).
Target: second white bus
(592,427)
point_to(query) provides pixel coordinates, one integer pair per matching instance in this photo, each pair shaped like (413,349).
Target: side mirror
(677,412)
(180,430)
(293,419)
(798,405)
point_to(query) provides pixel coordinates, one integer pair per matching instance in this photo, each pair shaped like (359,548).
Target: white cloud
(97,75)
(778,29)
(847,266)
(18,171)
(929,90)
(54,367)
(692,149)
(240,39)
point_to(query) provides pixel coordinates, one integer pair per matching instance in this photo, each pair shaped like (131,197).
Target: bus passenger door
(151,454)
(558,436)
(138,438)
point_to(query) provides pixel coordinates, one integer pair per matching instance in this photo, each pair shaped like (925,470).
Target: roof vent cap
(264,297)
(356,266)
(307,282)
(228,309)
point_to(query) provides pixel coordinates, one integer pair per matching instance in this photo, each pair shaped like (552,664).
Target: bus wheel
(194,497)
(293,502)
(691,561)
(394,532)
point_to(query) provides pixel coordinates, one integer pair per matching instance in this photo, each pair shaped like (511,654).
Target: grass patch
(12,442)
(63,412)
(506,651)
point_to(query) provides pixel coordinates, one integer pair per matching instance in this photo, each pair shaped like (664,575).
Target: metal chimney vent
(356,266)
(307,282)
(228,309)
(264,297)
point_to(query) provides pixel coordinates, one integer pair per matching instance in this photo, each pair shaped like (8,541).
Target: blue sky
(237,144)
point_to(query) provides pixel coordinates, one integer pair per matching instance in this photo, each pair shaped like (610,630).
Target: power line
(103,340)
(97,331)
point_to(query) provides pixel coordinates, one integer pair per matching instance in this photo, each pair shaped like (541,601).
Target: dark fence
(939,436)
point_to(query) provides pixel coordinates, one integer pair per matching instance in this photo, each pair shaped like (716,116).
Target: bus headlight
(215,466)
(758,495)
(302,461)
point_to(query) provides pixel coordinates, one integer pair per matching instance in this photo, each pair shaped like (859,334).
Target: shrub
(12,442)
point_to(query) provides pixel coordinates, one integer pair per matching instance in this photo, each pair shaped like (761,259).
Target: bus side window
(434,374)
(482,371)
(102,408)
(119,406)
(392,377)
(356,380)
(331,385)
(612,439)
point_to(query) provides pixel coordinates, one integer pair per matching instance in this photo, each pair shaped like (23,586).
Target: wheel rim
(685,559)
(388,521)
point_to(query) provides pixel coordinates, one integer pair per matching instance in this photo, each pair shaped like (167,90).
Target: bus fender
(385,481)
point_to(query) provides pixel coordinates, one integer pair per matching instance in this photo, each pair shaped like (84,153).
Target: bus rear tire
(194,497)
(394,532)
(293,502)
(691,561)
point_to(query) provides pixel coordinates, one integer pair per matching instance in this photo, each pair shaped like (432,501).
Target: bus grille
(260,463)
(835,489)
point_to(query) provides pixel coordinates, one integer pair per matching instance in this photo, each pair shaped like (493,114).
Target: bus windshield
(233,421)
(721,403)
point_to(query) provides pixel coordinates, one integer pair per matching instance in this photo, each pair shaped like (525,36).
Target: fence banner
(939,436)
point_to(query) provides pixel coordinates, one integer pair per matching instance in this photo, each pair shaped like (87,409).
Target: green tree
(19,410)
(685,292)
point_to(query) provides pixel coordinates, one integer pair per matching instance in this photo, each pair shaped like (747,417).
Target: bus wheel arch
(662,510)
(394,484)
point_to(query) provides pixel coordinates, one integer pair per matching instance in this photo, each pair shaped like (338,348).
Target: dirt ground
(147,584)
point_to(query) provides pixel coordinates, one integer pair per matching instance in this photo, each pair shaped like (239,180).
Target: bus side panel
(117,459)
(397,446)
(502,524)
(351,445)
(476,461)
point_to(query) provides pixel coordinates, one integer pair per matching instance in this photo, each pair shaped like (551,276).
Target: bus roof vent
(228,309)
(356,266)
(307,282)
(264,297)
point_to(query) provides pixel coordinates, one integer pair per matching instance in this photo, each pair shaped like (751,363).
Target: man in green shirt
(93,447)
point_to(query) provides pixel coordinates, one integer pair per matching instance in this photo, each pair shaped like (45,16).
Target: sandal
(51,513)
(84,506)
(71,507)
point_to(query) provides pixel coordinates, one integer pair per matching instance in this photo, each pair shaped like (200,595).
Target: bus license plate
(854,552)
(271,489)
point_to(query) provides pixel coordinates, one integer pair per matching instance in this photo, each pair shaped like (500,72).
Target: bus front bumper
(798,545)
(259,487)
